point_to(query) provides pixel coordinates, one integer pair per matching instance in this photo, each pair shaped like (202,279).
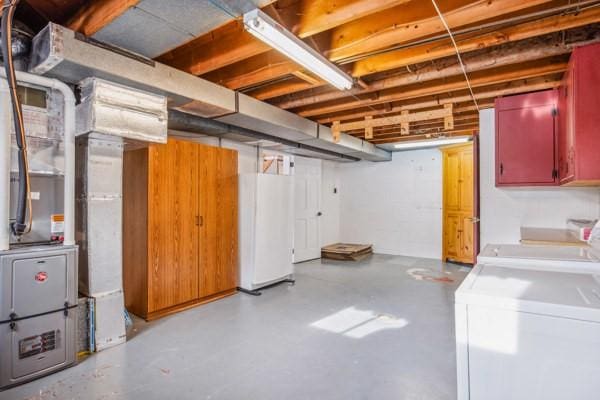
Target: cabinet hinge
(554,112)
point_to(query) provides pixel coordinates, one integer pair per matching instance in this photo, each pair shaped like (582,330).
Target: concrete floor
(376,329)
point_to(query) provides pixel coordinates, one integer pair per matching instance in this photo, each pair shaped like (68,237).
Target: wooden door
(218,197)
(458,204)
(172,229)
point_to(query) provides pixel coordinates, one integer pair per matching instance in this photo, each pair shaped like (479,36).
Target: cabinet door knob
(199,220)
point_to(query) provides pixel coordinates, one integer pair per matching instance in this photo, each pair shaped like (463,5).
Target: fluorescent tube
(269,31)
(431,143)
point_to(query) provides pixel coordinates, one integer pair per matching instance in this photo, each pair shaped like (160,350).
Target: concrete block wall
(396,205)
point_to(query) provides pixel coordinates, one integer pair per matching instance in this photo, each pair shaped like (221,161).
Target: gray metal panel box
(38,312)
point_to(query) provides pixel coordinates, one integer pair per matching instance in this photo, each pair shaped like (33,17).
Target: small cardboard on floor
(346,251)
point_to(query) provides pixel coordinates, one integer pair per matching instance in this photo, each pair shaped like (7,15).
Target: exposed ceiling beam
(321,15)
(439,49)
(474,124)
(482,78)
(97,14)
(259,71)
(520,86)
(396,120)
(253,70)
(278,89)
(414,20)
(223,46)
(230,44)
(57,11)
(511,53)
(460,107)
(433,122)
(265,67)
(420,137)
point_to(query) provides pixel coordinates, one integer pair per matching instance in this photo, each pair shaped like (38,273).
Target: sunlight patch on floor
(357,324)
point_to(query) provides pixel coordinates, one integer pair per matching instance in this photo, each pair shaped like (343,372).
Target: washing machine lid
(568,258)
(526,289)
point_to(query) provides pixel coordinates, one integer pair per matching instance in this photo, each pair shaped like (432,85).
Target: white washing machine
(524,333)
(568,258)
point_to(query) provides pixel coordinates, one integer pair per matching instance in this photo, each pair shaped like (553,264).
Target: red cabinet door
(566,143)
(586,114)
(526,128)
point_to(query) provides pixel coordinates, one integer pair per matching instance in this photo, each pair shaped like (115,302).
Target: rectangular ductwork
(61,53)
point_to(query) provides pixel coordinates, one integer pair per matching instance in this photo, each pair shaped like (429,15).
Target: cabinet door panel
(208,196)
(218,199)
(526,145)
(227,220)
(173,234)
(586,118)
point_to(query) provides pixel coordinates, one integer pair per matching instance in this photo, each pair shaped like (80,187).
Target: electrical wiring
(462,65)
(18,227)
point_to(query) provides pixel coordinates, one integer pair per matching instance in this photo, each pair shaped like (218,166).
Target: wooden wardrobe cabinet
(180,233)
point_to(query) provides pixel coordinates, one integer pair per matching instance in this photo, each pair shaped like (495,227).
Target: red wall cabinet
(526,139)
(579,119)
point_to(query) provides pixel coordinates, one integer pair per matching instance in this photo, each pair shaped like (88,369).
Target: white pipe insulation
(69,145)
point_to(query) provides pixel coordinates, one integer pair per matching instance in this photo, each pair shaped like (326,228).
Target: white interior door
(307,199)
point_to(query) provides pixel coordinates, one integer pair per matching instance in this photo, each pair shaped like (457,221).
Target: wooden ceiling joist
(466,131)
(398,119)
(97,14)
(515,87)
(417,54)
(221,47)
(458,118)
(278,88)
(484,78)
(231,43)
(257,72)
(508,54)
(321,15)
(417,19)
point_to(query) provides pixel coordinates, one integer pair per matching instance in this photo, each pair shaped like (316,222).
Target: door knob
(319,214)
(474,219)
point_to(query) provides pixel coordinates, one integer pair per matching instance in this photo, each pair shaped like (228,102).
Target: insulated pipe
(68,142)
(5,123)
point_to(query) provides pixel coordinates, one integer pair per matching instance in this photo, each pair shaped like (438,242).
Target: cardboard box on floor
(346,251)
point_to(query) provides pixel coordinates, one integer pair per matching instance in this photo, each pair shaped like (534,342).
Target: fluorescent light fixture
(269,31)
(431,143)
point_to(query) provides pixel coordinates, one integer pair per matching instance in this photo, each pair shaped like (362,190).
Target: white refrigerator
(266,221)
